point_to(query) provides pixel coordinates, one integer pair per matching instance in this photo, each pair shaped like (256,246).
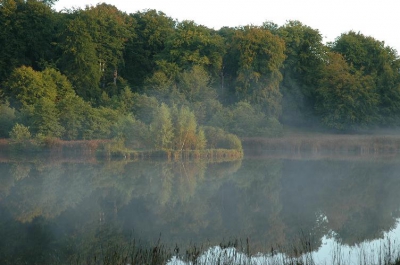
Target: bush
(20,133)
(219,139)
(243,119)
(133,133)
(7,119)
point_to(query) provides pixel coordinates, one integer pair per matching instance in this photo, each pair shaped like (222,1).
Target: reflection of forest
(70,208)
(358,200)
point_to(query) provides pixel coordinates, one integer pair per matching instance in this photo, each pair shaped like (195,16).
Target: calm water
(63,211)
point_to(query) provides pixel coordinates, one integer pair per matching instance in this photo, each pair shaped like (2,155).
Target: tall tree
(260,57)
(7,119)
(161,128)
(193,44)
(110,30)
(230,66)
(45,118)
(93,43)
(79,61)
(304,64)
(346,99)
(371,57)
(152,30)
(73,112)
(195,84)
(26,86)
(26,35)
(185,128)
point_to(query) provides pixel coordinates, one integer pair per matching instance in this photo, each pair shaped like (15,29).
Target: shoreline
(324,144)
(101,150)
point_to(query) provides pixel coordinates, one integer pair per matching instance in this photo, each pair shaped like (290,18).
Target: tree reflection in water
(68,211)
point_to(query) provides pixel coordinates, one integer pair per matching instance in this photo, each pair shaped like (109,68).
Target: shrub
(219,139)
(20,133)
(243,119)
(7,119)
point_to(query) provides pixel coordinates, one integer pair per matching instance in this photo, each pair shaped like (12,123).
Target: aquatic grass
(299,252)
(236,252)
(55,148)
(360,144)
(136,252)
(207,154)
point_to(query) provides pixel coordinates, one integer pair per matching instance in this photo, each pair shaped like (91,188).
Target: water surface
(63,211)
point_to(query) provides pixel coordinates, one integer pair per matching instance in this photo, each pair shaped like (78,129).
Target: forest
(149,81)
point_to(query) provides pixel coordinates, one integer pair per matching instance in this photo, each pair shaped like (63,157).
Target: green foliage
(161,129)
(72,116)
(243,119)
(57,71)
(45,118)
(20,133)
(193,44)
(79,61)
(110,29)
(163,82)
(133,133)
(26,35)
(372,58)
(363,53)
(205,110)
(126,101)
(346,100)
(201,141)
(152,30)
(98,123)
(92,44)
(26,86)
(188,87)
(218,138)
(303,67)
(7,119)
(54,78)
(144,107)
(185,127)
(260,57)
(195,85)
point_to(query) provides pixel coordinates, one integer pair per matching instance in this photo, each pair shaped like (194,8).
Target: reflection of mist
(272,202)
(358,198)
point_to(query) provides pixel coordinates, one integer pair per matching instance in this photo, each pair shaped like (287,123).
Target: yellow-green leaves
(260,57)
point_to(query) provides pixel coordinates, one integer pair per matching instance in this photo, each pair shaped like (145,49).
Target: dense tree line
(101,73)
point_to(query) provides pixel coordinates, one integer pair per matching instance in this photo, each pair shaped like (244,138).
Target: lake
(331,209)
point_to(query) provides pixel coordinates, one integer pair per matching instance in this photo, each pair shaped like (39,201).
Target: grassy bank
(208,154)
(50,147)
(105,149)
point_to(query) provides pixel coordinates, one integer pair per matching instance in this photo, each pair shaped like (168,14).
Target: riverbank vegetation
(325,144)
(238,253)
(147,82)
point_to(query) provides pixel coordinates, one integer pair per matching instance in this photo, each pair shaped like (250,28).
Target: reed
(208,154)
(360,144)
(107,150)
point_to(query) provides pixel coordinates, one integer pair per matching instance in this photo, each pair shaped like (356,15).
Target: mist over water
(62,211)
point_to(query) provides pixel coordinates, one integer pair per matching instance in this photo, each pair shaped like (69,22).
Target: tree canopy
(87,73)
